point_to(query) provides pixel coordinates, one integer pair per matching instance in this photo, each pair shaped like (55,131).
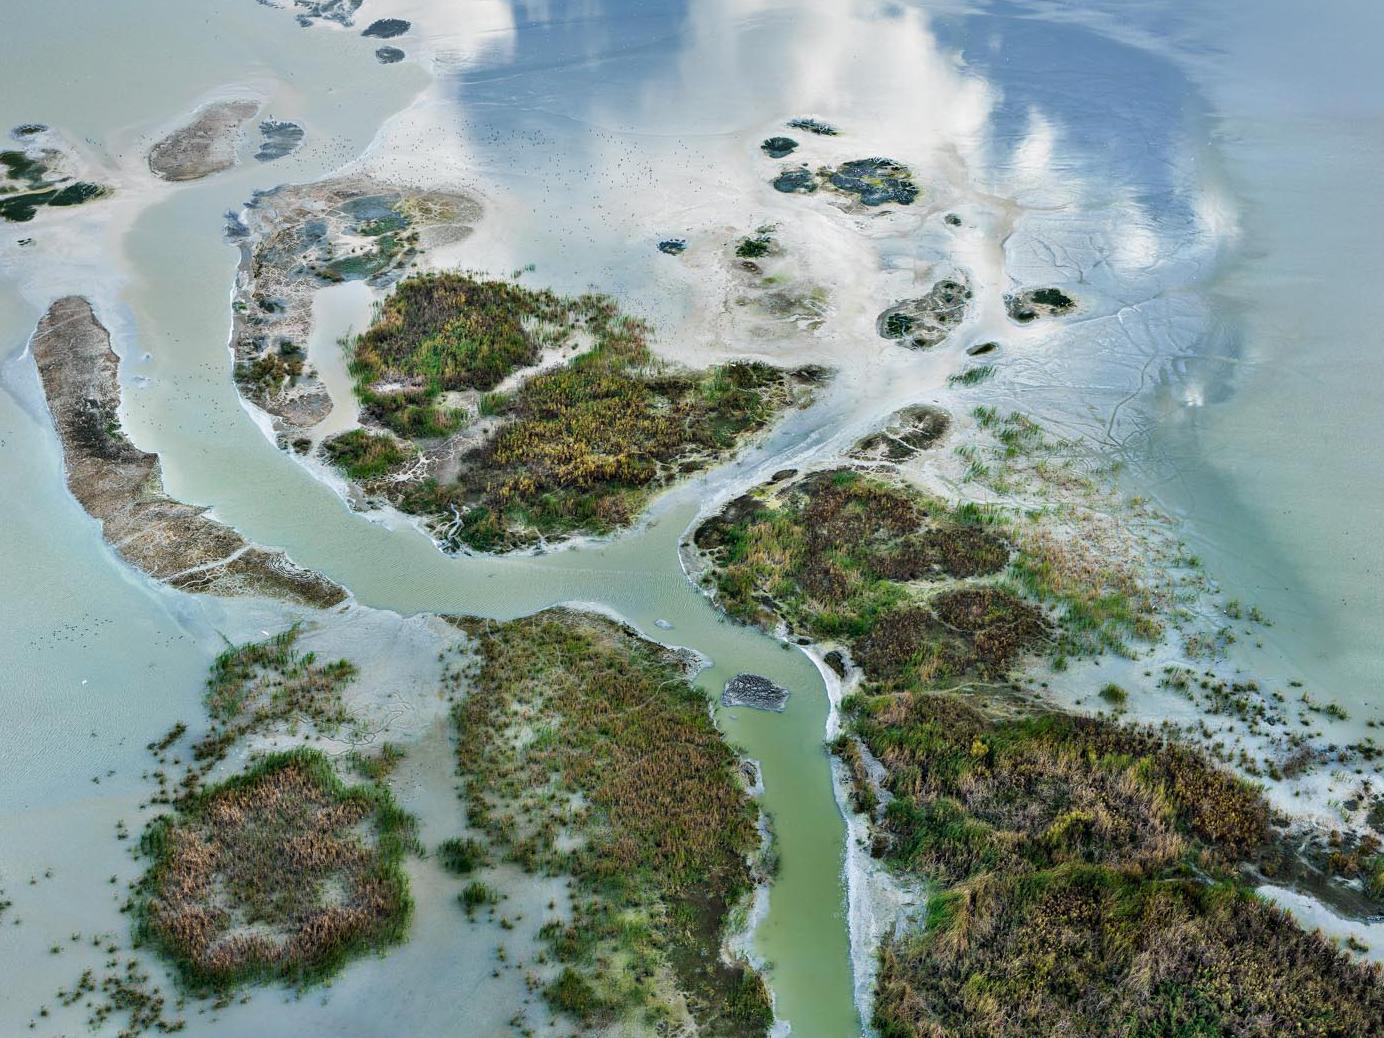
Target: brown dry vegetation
(278,873)
(1087,885)
(577,728)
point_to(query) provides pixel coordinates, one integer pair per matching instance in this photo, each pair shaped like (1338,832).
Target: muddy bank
(121,486)
(297,239)
(204,146)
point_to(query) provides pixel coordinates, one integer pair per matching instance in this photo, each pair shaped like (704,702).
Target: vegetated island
(1086,876)
(297,239)
(205,145)
(281,871)
(585,751)
(120,486)
(510,416)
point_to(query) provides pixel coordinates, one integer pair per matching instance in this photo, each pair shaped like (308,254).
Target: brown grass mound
(280,872)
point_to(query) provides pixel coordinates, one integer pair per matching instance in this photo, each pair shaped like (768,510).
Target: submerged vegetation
(584,750)
(576,447)
(280,872)
(28,183)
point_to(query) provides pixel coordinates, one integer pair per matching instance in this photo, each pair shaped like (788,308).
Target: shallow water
(1201,181)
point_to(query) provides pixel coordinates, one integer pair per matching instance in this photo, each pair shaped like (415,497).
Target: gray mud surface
(204,146)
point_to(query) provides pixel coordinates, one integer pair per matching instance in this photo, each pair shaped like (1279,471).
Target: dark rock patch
(779,147)
(278,138)
(811,125)
(389,55)
(982,348)
(927,320)
(1033,303)
(673,246)
(756,692)
(796,181)
(875,181)
(386,28)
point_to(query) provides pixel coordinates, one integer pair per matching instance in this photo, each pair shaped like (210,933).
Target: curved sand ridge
(121,486)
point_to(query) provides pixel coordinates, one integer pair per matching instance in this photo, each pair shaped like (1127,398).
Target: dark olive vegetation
(579,447)
(972,376)
(577,727)
(1087,875)
(754,246)
(461,856)
(271,372)
(365,455)
(778,147)
(843,556)
(280,873)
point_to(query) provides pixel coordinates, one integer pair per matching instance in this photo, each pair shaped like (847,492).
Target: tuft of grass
(1113,694)
(363,455)
(972,376)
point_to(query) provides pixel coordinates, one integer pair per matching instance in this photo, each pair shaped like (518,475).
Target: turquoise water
(1202,180)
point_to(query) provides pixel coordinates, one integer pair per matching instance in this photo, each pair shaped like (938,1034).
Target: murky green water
(1227,350)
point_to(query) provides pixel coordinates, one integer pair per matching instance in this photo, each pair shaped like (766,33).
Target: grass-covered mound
(1085,883)
(578,446)
(970,794)
(586,751)
(899,576)
(1090,951)
(281,872)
